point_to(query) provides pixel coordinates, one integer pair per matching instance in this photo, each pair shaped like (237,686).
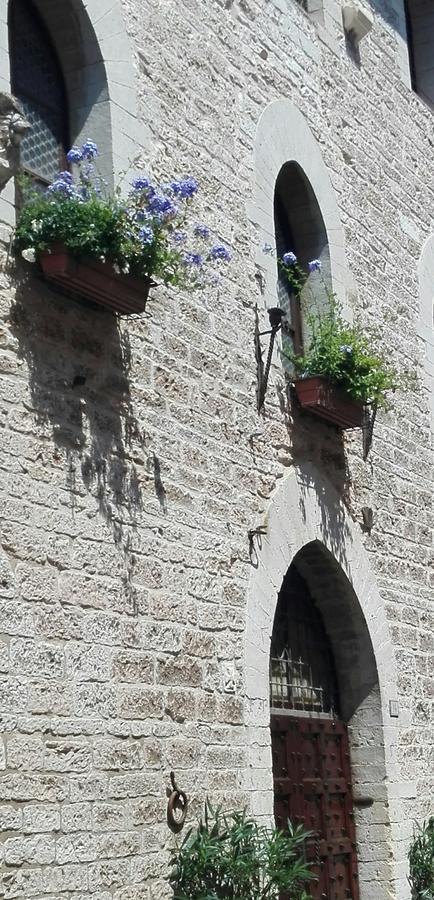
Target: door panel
(312,786)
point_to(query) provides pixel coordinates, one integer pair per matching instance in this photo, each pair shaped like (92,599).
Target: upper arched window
(420,36)
(299,227)
(37,81)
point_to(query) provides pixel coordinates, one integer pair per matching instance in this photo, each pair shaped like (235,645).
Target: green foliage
(342,353)
(421,859)
(231,856)
(98,228)
(145,234)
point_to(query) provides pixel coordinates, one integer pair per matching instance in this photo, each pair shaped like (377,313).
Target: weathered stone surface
(123,612)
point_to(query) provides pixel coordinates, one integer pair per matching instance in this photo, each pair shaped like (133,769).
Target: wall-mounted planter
(328,401)
(92,279)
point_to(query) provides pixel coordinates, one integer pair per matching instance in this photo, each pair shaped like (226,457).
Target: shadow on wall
(79,362)
(344,621)
(315,443)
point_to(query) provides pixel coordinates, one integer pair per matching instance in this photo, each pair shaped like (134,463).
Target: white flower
(29,255)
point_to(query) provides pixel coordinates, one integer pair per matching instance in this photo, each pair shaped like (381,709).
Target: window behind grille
(37,81)
(302,672)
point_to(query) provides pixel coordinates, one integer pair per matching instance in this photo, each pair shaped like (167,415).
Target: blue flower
(141,183)
(62,187)
(74,155)
(184,188)
(88,172)
(346,348)
(89,150)
(289,259)
(219,251)
(193,259)
(162,207)
(64,184)
(315,265)
(146,235)
(179,237)
(201,231)
(65,177)
(140,215)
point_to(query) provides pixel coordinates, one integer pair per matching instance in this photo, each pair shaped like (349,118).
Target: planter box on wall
(322,398)
(91,279)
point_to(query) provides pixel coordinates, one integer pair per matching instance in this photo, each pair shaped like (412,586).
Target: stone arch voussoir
(306,512)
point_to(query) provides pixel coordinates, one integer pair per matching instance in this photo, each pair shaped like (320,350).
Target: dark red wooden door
(312,786)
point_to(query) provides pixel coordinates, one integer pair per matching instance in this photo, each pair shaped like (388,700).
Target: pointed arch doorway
(310,744)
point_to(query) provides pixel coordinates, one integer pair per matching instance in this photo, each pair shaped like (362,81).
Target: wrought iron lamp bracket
(275,315)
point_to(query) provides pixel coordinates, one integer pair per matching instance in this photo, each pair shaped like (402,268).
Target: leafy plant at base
(145,234)
(421,859)
(231,856)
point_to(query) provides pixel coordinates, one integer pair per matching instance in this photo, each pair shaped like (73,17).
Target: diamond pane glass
(37,81)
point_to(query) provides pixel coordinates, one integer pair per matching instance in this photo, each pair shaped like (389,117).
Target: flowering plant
(336,350)
(145,234)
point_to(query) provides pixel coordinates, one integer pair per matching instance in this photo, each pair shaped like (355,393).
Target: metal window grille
(302,674)
(37,81)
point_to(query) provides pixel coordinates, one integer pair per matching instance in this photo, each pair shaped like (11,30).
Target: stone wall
(133,462)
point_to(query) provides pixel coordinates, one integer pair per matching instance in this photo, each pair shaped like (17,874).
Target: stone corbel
(13,127)
(357,21)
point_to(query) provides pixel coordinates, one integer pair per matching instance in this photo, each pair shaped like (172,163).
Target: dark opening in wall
(299,227)
(420,36)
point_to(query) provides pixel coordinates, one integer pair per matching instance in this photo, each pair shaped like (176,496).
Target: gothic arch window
(420,36)
(310,743)
(37,80)
(299,227)
(302,673)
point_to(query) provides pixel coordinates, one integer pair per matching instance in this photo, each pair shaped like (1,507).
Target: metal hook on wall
(275,315)
(176,807)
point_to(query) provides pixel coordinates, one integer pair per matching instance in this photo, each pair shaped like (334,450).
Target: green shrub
(421,859)
(343,354)
(231,856)
(336,350)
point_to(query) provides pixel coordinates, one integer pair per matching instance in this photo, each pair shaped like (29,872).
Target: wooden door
(312,786)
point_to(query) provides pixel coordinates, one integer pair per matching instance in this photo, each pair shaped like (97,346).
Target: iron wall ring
(177,810)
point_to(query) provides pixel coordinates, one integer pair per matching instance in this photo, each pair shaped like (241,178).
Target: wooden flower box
(328,401)
(92,279)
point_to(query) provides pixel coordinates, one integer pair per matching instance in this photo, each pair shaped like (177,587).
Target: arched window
(302,673)
(37,81)
(310,743)
(420,36)
(299,227)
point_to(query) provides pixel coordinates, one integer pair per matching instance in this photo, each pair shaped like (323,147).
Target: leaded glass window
(37,81)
